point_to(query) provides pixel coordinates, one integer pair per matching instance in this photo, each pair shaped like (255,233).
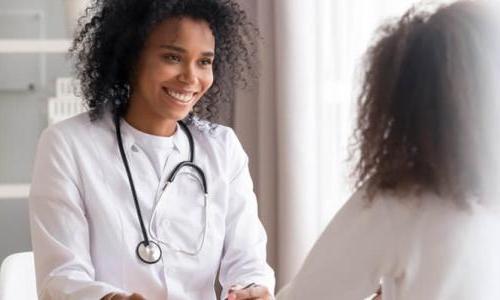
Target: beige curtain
(276,123)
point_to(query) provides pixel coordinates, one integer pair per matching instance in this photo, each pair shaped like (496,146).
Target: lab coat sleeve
(350,256)
(244,255)
(59,228)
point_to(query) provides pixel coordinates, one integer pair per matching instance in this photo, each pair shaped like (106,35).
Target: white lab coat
(85,228)
(423,246)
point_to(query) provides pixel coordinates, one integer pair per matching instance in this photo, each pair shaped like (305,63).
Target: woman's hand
(256,292)
(118,296)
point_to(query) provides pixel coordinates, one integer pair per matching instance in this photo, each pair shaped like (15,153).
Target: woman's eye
(171,58)
(205,62)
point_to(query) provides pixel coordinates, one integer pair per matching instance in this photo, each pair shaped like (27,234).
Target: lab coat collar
(180,139)
(181,142)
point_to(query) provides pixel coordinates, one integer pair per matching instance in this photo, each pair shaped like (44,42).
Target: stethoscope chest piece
(150,253)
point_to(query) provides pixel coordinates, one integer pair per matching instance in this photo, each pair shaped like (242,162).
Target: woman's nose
(188,75)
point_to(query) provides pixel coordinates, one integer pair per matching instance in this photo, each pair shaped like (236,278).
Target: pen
(249,286)
(244,288)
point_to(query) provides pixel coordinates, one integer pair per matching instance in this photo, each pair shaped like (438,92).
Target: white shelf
(14,191)
(34,46)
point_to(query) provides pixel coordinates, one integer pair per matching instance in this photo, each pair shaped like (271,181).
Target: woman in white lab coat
(105,223)
(426,217)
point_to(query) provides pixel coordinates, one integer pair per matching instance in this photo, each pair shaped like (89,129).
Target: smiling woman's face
(173,72)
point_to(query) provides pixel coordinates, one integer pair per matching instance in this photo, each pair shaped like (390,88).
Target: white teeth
(183,97)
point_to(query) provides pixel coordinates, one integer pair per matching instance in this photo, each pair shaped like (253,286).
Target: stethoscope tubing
(147,245)
(131,181)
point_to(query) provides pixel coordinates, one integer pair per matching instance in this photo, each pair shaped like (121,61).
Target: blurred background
(295,122)
(34,38)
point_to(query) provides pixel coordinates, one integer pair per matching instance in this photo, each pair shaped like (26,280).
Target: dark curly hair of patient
(112,33)
(426,102)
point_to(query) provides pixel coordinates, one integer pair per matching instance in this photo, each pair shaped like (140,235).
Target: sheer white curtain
(296,125)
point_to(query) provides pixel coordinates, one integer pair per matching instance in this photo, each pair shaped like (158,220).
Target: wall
(23,112)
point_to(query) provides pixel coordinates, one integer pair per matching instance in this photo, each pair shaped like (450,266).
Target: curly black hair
(425,101)
(112,33)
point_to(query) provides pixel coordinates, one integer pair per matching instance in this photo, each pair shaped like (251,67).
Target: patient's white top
(428,248)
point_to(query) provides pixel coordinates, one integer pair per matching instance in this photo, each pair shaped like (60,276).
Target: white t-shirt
(157,148)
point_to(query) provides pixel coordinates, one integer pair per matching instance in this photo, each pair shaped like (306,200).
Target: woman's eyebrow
(182,50)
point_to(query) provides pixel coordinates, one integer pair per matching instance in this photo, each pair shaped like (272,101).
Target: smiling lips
(184,97)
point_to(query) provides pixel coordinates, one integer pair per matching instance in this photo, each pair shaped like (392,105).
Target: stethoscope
(147,250)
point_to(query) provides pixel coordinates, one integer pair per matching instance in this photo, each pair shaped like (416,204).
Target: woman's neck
(150,124)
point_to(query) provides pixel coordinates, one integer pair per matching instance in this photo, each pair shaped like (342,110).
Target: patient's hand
(378,294)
